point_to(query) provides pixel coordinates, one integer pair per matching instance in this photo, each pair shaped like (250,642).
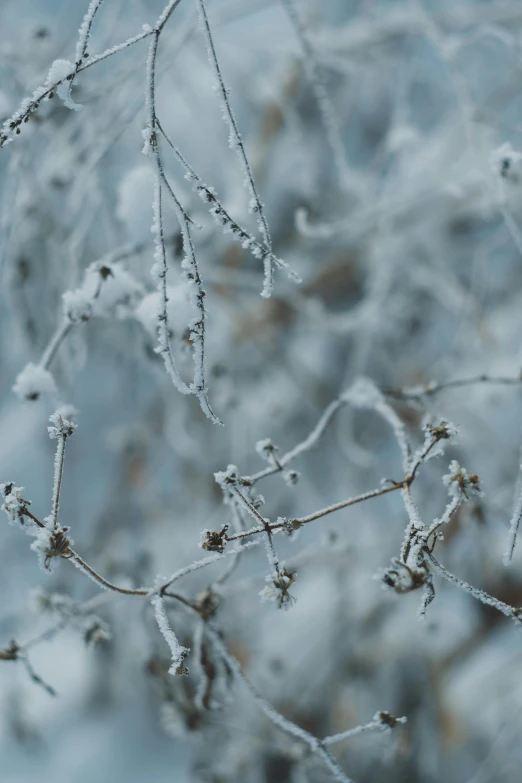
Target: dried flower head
(461,484)
(14,505)
(402,577)
(507,162)
(441,431)
(212,541)
(96,632)
(266,449)
(51,543)
(277,588)
(207,603)
(388,720)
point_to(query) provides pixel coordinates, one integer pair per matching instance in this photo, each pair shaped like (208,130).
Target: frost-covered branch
(513,528)
(381,722)
(509,611)
(223,218)
(60,429)
(189,265)
(432,388)
(283,724)
(236,143)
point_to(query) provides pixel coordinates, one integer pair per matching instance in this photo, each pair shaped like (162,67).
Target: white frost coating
(381,721)
(461,484)
(177,650)
(179,310)
(364,394)
(60,430)
(85,29)
(59,72)
(513,528)
(159,273)
(480,595)
(223,219)
(197,564)
(266,449)
(315,745)
(236,144)
(51,543)
(112,290)
(77,306)
(277,586)
(33,381)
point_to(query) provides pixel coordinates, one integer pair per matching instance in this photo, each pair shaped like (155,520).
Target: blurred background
(392,201)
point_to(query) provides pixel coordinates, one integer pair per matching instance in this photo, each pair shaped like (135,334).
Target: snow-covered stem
(178,652)
(205,561)
(273,559)
(191,274)
(64,328)
(296,522)
(189,265)
(165,15)
(85,30)
(381,722)
(308,443)
(160,272)
(100,580)
(450,509)
(58,476)
(236,143)
(509,611)
(374,493)
(513,528)
(364,394)
(387,412)
(198,652)
(324,103)
(315,745)
(28,106)
(419,457)
(426,390)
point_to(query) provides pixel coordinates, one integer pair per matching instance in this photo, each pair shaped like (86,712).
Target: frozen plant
(334,192)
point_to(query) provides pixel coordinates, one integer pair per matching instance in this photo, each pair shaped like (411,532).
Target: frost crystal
(34,381)
(60,427)
(461,485)
(228,477)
